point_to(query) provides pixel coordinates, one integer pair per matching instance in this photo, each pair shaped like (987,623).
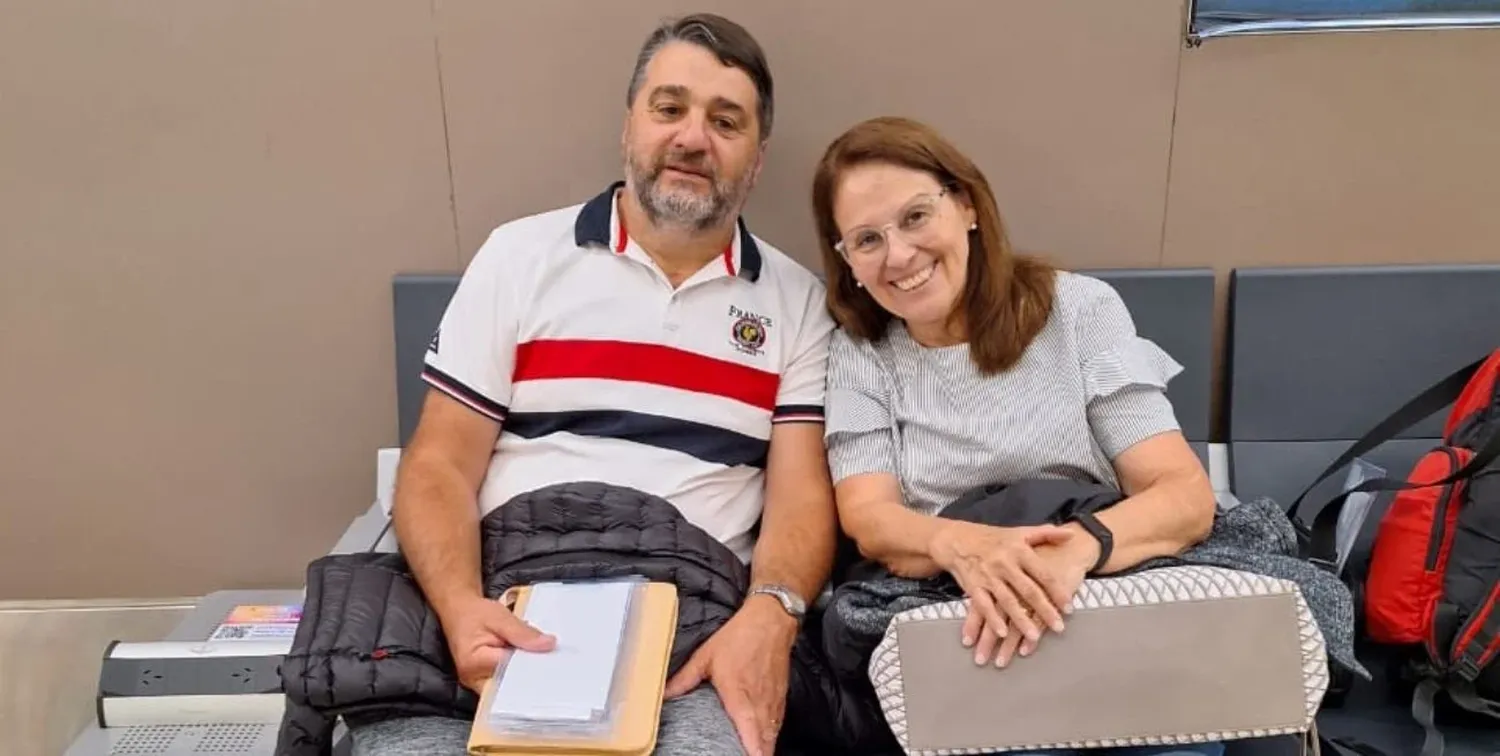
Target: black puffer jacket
(369,646)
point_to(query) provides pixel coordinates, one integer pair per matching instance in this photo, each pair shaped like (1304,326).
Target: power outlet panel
(212,676)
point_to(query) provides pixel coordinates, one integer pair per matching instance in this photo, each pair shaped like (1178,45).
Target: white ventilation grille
(175,740)
(146,740)
(229,738)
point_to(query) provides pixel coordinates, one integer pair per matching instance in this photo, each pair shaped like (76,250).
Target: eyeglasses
(869,244)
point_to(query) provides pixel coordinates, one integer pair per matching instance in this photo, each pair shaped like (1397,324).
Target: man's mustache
(696,166)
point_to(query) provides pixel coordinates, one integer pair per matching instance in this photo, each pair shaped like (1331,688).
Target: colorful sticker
(259,622)
(265,613)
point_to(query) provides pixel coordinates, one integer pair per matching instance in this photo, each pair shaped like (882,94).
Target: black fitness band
(1100,533)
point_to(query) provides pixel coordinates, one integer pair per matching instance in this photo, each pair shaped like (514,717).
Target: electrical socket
(260,678)
(151,680)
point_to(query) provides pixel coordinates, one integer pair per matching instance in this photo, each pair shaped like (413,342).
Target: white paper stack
(568,688)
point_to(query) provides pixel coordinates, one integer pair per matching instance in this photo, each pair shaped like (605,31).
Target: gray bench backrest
(1173,307)
(1317,356)
(419,302)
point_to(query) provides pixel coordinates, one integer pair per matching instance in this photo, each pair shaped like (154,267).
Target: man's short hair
(730,42)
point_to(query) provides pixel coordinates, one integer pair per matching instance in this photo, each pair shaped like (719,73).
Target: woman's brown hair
(1007,298)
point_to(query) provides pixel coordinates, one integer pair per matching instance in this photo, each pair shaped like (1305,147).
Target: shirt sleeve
(859,436)
(1125,376)
(472,353)
(800,395)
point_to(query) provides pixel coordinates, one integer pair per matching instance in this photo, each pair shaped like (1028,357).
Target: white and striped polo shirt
(563,329)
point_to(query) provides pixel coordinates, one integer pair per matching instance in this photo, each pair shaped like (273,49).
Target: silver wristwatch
(790,601)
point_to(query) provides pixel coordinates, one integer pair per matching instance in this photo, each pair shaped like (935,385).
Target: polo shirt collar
(598,225)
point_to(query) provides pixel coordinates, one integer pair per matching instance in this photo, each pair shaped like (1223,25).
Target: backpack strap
(1423,702)
(1320,539)
(1478,644)
(1341,745)
(1318,534)
(1424,707)
(1418,408)
(1462,693)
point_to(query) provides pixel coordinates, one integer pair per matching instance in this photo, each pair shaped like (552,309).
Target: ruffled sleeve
(858,431)
(1125,376)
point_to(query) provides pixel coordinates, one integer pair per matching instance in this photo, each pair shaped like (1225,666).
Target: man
(644,338)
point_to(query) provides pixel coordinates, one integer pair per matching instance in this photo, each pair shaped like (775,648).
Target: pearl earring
(973,226)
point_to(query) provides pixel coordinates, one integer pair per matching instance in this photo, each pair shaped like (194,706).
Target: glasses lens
(912,223)
(864,242)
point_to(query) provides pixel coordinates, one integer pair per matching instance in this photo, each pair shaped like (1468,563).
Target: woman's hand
(1007,582)
(1069,561)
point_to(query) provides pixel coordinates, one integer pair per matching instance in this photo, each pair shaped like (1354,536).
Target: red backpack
(1433,585)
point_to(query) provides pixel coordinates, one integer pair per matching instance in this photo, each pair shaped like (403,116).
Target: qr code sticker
(232,632)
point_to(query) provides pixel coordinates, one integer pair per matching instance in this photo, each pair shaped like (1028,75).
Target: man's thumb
(687,678)
(518,633)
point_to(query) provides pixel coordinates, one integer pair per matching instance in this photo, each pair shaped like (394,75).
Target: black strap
(1469,661)
(1462,692)
(1341,745)
(1321,543)
(1320,538)
(1423,405)
(1347,746)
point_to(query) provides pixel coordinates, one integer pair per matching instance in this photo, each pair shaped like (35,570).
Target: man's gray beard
(682,209)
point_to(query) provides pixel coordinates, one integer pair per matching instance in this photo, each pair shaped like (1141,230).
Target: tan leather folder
(639,689)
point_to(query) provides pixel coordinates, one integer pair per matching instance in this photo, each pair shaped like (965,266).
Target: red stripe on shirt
(645,363)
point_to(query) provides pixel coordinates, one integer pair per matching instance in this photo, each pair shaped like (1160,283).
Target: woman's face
(906,240)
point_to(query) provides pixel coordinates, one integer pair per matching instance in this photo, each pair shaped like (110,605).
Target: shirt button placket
(669,320)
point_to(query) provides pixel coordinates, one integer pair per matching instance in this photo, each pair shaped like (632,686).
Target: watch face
(789,600)
(794,602)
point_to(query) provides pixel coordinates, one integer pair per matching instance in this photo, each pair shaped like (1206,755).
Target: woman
(960,364)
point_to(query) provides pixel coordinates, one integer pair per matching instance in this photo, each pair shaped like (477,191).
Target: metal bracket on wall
(1227,24)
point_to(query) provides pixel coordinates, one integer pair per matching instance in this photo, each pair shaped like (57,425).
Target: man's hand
(747,661)
(481,632)
(1068,561)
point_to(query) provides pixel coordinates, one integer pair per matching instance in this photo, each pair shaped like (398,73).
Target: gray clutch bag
(1167,656)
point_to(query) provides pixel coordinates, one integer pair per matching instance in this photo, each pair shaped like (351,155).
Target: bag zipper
(1440,524)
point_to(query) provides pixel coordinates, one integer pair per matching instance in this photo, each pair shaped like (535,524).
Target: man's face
(692,139)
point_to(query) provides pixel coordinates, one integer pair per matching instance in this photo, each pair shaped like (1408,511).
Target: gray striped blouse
(1087,388)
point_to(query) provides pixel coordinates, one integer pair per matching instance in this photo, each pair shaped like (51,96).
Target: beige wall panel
(50,654)
(203,202)
(1067,106)
(1337,148)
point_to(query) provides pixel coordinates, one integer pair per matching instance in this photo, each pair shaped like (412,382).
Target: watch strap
(1102,534)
